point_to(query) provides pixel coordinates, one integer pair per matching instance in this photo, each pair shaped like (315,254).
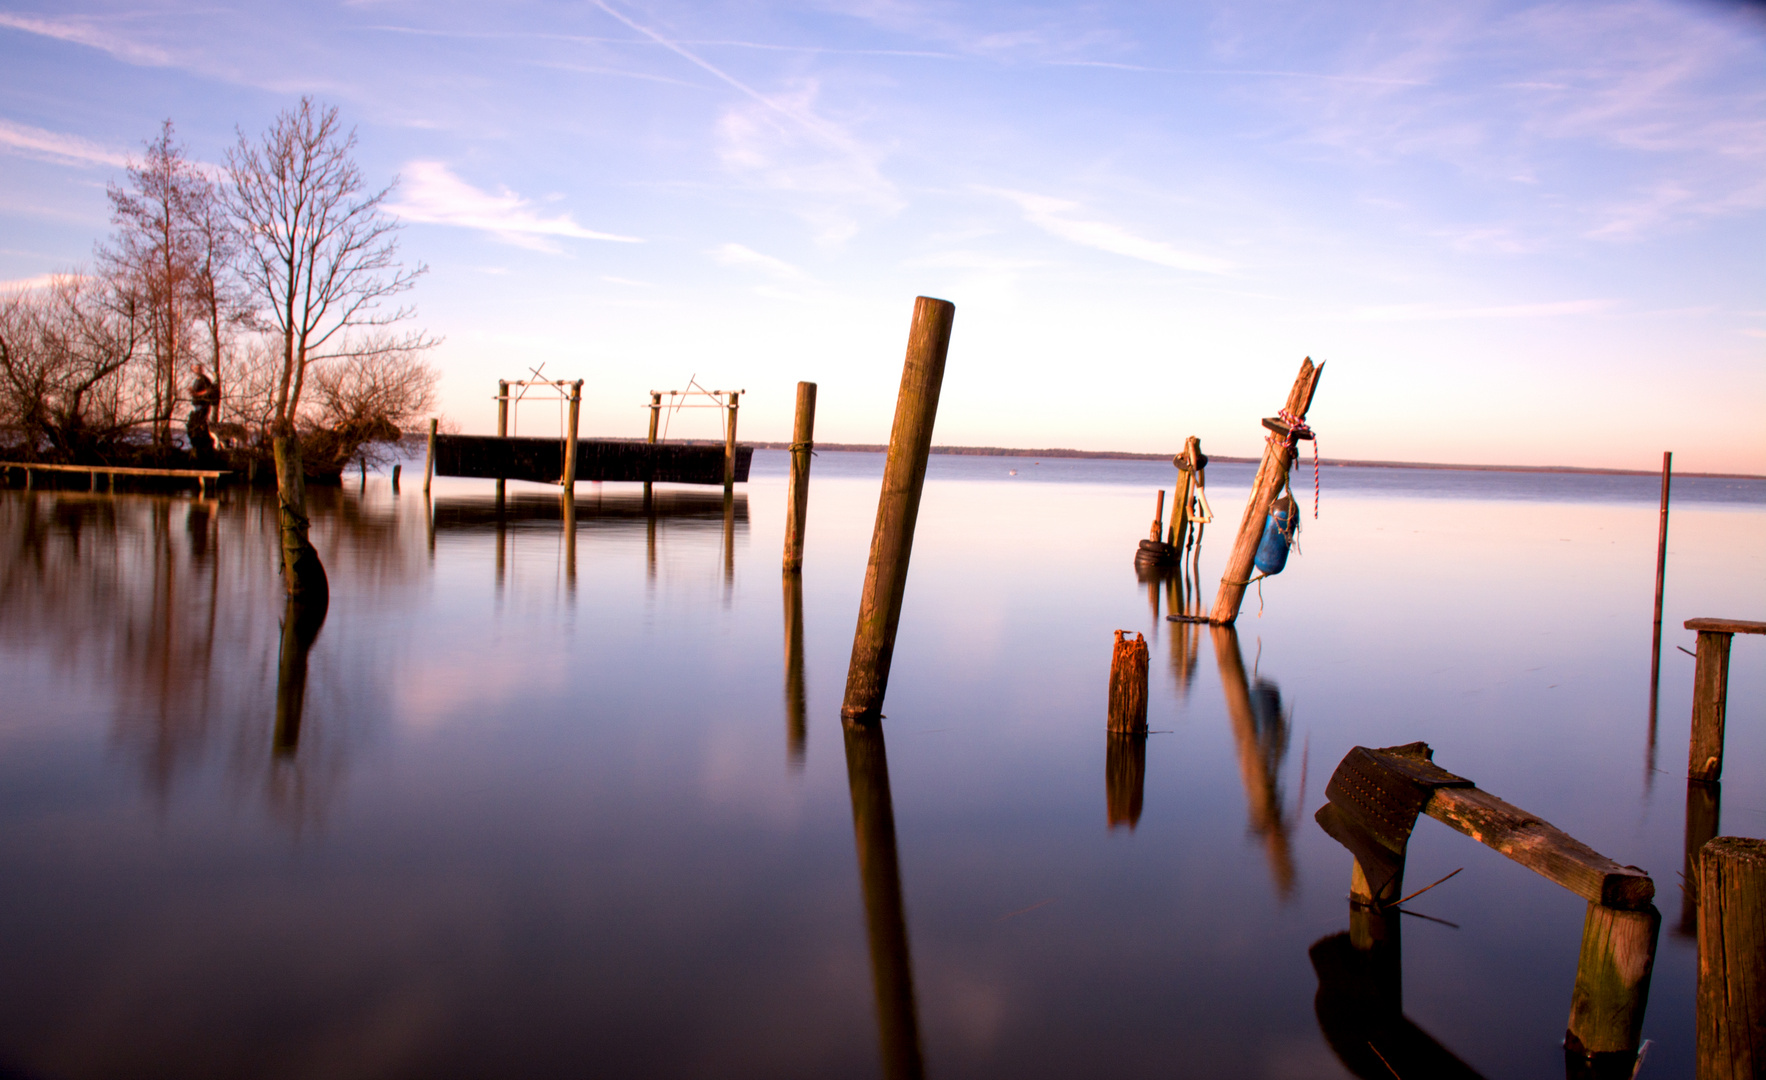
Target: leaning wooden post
(429,459)
(1128,684)
(1732,959)
(1655,656)
(1271,476)
(730,444)
(576,404)
(803,432)
(898,506)
(1612,989)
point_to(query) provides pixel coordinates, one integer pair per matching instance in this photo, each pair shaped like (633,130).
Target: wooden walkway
(207,479)
(542,460)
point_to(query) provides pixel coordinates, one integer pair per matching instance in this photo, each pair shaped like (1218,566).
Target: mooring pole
(429,461)
(1655,655)
(1271,476)
(803,433)
(730,444)
(898,506)
(1732,959)
(576,404)
(655,414)
(502,428)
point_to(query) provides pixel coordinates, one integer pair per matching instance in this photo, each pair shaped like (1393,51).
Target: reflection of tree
(1261,731)
(160,607)
(873,825)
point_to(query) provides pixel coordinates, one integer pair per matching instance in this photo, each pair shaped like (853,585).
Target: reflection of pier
(618,511)
(873,826)
(1261,731)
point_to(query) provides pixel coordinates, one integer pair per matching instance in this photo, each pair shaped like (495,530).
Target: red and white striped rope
(1297,429)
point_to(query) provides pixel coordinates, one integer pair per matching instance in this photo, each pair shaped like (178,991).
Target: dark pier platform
(542,460)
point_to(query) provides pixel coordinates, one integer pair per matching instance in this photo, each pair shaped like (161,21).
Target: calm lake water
(518,812)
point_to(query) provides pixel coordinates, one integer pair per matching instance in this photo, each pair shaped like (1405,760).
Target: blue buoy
(1278,531)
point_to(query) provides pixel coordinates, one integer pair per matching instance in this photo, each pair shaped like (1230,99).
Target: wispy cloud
(96,33)
(430,193)
(41,281)
(1054,217)
(55,146)
(1444,312)
(739,255)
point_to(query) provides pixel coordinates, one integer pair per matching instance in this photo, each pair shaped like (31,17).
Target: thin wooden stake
(1655,657)
(803,433)
(898,507)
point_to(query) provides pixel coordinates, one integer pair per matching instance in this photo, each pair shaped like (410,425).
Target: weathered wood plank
(1732,959)
(1541,847)
(1726,626)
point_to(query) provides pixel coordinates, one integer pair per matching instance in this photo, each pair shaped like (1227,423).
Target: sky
(1516,233)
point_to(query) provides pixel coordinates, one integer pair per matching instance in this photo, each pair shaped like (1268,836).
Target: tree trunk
(302,571)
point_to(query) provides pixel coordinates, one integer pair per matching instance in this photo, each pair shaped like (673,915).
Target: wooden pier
(544,461)
(207,479)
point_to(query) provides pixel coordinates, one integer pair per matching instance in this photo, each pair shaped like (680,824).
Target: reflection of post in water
(729,537)
(873,826)
(649,537)
(1261,732)
(1125,776)
(1360,1003)
(300,628)
(502,539)
(1185,636)
(1704,804)
(568,499)
(796,724)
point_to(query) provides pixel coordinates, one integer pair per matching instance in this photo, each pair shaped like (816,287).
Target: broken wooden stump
(1732,959)
(1128,684)
(1710,693)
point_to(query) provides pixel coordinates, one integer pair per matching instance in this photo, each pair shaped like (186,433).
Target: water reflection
(1125,776)
(623,512)
(1704,805)
(1360,1003)
(1260,728)
(796,722)
(873,826)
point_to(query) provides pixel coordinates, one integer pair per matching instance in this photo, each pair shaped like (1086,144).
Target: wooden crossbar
(1726,626)
(205,474)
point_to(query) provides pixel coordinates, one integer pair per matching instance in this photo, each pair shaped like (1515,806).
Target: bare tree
(155,259)
(66,354)
(322,256)
(363,402)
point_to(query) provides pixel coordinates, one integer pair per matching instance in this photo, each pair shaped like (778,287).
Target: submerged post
(429,460)
(803,432)
(898,506)
(1732,959)
(1271,476)
(576,404)
(730,443)
(1128,683)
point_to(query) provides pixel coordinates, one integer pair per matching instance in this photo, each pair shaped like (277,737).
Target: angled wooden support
(1710,693)
(1374,799)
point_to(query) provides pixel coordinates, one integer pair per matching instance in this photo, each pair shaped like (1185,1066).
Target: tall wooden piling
(655,415)
(1655,657)
(730,443)
(1732,960)
(1612,990)
(429,461)
(502,427)
(1272,475)
(576,404)
(898,507)
(803,433)
(1710,693)
(1128,684)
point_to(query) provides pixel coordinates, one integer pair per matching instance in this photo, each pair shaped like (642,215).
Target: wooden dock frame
(208,480)
(1374,799)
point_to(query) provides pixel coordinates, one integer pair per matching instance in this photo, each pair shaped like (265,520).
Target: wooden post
(1732,960)
(655,414)
(1655,657)
(898,506)
(1128,684)
(395,477)
(429,461)
(1710,701)
(1612,989)
(1158,517)
(1271,476)
(576,404)
(1187,474)
(1704,816)
(502,429)
(730,443)
(803,432)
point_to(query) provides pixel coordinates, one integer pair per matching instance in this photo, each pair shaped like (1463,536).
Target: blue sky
(1518,233)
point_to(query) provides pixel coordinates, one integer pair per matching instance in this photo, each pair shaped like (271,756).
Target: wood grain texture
(1272,474)
(1612,983)
(1710,703)
(1726,626)
(1541,847)
(1732,959)
(898,508)
(803,435)
(1128,684)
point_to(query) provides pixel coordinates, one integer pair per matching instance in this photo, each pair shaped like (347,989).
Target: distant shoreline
(1120,455)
